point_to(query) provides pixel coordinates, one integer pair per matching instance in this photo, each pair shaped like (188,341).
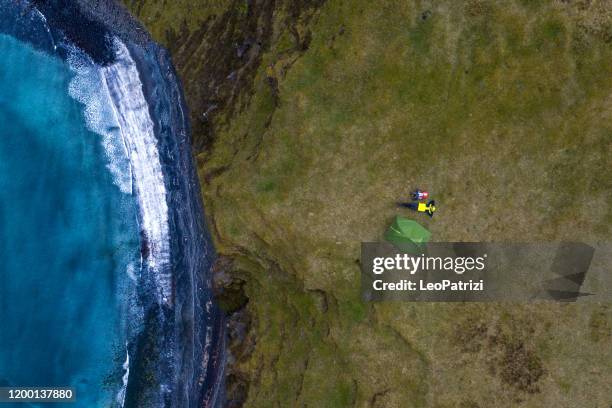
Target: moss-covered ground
(502,110)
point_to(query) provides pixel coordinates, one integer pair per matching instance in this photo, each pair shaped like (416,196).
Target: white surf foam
(136,129)
(116,109)
(126,375)
(89,88)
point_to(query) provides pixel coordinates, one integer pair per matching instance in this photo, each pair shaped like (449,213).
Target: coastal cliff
(312,118)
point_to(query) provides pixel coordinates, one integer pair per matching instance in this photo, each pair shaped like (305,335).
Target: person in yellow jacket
(429,208)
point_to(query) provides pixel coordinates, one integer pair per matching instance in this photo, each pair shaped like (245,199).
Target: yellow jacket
(428,208)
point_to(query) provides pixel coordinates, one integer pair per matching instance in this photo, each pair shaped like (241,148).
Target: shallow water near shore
(68,236)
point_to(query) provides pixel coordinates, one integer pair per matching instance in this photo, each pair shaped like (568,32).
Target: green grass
(160,17)
(497,109)
(500,111)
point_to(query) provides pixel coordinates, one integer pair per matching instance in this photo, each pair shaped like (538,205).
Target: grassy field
(502,111)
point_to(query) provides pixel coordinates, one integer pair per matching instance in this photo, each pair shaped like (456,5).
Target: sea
(105,257)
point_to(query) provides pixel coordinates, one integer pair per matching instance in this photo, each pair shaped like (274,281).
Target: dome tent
(406,234)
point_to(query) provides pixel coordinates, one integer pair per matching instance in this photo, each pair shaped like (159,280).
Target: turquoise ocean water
(68,236)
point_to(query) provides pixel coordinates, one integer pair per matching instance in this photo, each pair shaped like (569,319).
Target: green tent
(407,235)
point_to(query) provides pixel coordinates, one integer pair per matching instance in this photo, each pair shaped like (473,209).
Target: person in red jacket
(418,195)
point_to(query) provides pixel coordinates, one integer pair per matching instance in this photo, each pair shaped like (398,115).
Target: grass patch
(501,111)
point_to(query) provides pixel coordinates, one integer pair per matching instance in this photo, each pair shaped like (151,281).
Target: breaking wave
(124,379)
(136,128)
(116,109)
